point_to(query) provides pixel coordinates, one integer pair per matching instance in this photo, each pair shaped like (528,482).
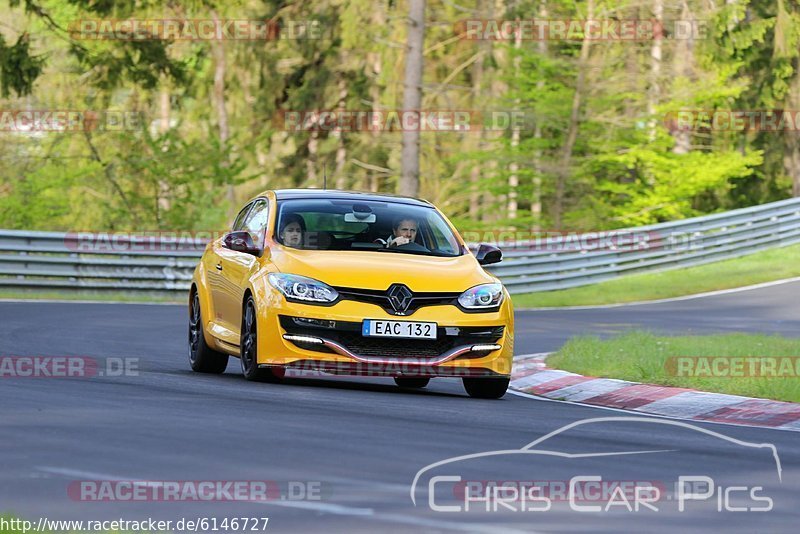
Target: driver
(404,230)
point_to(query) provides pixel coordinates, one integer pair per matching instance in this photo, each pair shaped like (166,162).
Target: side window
(256,221)
(238,222)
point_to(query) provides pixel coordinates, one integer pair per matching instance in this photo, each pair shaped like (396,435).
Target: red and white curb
(531,375)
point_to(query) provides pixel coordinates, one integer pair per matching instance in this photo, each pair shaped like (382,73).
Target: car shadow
(345,382)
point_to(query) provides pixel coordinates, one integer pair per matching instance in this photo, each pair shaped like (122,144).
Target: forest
(168,115)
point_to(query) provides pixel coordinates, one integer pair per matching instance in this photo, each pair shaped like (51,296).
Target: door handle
(219,266)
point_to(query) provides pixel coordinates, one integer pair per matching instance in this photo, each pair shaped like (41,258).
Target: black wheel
(201,357)
(411,382)
(486,388)
(249,348)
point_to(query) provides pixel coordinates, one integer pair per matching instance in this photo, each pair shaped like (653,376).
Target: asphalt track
(361,442)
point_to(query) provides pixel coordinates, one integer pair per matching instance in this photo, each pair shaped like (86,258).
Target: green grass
(108,296)
(765,266)
(641,356)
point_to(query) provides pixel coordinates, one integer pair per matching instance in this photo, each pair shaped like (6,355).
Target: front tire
(248,345)
(202,358)
(411,382)
(486,388)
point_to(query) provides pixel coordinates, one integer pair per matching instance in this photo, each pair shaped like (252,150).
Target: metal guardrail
(49,260)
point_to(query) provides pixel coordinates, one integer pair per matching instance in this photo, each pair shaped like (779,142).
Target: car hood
(378,270)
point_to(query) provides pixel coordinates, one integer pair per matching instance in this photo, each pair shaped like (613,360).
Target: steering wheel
(413,246)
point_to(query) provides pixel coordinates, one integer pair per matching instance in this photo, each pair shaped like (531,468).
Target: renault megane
(350,283)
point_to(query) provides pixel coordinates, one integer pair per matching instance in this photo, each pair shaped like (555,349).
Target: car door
(234,268)
(218,283)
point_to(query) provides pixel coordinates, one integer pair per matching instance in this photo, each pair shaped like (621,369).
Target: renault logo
(399,298)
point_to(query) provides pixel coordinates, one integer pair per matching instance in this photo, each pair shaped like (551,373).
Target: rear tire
(248,345)
(202,358)
(411,382)
(486,388)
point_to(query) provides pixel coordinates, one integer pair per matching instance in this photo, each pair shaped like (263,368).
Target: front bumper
(328,339)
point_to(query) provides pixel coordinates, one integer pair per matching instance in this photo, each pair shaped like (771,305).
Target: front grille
(399,348)
(348,334)
(381,298)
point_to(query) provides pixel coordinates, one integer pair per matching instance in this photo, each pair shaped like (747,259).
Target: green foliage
(647,183)
(627,165)
(143,182)
(19,68)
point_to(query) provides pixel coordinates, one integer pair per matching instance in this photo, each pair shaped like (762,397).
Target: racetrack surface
(361,440)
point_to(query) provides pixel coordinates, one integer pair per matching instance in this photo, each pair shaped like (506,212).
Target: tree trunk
(374,61)
(574,123)
(493,205)
(513,178)
(632,72)
(341,149)
(683,67)
(341,159)
(311,161)
(163,127)
(654,91)
(261,159)
(412,97)
(791,154)
(536,199)
(218,53)
(373,178)
(474,141)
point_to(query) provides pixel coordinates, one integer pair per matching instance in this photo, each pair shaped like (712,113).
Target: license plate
(398,329)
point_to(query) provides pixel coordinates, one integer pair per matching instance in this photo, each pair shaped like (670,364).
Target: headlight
(300,288)
(484,296)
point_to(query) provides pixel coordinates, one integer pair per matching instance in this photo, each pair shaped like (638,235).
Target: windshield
(320,224)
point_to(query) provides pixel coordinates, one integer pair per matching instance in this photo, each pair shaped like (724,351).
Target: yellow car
(353,283)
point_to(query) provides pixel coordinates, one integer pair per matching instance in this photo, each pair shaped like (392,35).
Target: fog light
(302,339)
(481,348)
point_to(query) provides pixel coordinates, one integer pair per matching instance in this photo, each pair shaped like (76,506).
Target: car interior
(337,227)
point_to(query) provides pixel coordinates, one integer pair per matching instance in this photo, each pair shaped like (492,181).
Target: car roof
(335,194)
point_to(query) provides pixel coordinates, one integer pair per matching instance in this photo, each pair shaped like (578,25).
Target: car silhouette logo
(399,297)
(535,448)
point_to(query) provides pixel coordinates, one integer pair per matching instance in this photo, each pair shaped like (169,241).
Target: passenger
(292,229)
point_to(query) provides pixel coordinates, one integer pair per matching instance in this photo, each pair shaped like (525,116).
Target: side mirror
(241,242)
(487,254)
